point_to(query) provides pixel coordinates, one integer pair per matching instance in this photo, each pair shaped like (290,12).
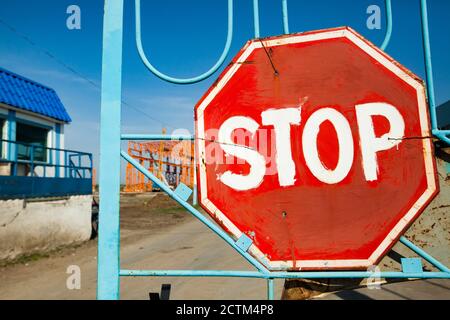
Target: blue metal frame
(109,271)
(256,17)
(441,134)
(387,37)
(199,78)
(109,182)
(285,16)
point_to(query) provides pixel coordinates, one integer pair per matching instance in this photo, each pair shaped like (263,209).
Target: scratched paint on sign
(302,146)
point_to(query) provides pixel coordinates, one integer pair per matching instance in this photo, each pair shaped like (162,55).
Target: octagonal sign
(315,146)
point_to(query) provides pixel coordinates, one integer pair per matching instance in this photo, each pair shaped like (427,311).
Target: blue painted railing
(109,271)
(33,171)
(76,164)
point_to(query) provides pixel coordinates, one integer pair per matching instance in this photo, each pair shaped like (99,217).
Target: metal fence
(52,162)
(109,270)
(31,170)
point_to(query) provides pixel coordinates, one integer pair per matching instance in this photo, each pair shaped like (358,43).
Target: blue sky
(184,38)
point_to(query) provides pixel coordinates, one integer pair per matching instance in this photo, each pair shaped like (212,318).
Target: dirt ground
(157,233)
(143,215)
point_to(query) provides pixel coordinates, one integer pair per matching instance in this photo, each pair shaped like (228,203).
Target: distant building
(45,189)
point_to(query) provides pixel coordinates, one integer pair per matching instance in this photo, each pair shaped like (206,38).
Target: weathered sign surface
(317,147)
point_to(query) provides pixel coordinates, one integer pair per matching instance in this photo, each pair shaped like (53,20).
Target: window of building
(31,140)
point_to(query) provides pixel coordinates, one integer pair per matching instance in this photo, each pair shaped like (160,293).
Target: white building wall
(35,226)
(61,156)
(4,129)
(48,225)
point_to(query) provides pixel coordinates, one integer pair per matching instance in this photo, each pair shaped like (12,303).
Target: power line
(73,71)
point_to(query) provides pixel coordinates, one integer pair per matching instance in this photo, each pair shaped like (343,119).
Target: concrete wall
(27,227)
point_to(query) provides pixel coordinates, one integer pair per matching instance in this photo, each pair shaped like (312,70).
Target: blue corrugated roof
(25,94)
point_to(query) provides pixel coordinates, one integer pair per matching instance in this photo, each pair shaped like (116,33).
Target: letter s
(257,161)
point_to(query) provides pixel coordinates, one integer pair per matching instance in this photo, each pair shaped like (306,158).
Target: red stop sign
(316,146)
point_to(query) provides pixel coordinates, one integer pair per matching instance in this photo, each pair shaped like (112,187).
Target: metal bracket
(183,191)
(244,242)
(165,293)
(412,265)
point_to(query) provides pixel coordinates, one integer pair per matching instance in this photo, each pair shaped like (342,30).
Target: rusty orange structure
(170,161)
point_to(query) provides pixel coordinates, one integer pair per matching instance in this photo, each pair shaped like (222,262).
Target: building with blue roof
(32,120)
(45,189)
(29,96)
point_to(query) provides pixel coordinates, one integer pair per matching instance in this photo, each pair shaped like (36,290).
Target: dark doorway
(31,141)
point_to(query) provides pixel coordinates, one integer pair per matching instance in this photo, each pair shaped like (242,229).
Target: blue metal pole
(109,237)
(428,64)
(424,255)
(195,193)
(194,212)
(285,17)
(284,275)
(256,17)
(270,289)
(191,273)
(358,275)
(387,38)
(442,137)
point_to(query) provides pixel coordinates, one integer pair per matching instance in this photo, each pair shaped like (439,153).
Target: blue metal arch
(388,35)
(285,16)
(171,79)
(384,45)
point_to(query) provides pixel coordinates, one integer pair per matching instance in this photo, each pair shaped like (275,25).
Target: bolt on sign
(317,147)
